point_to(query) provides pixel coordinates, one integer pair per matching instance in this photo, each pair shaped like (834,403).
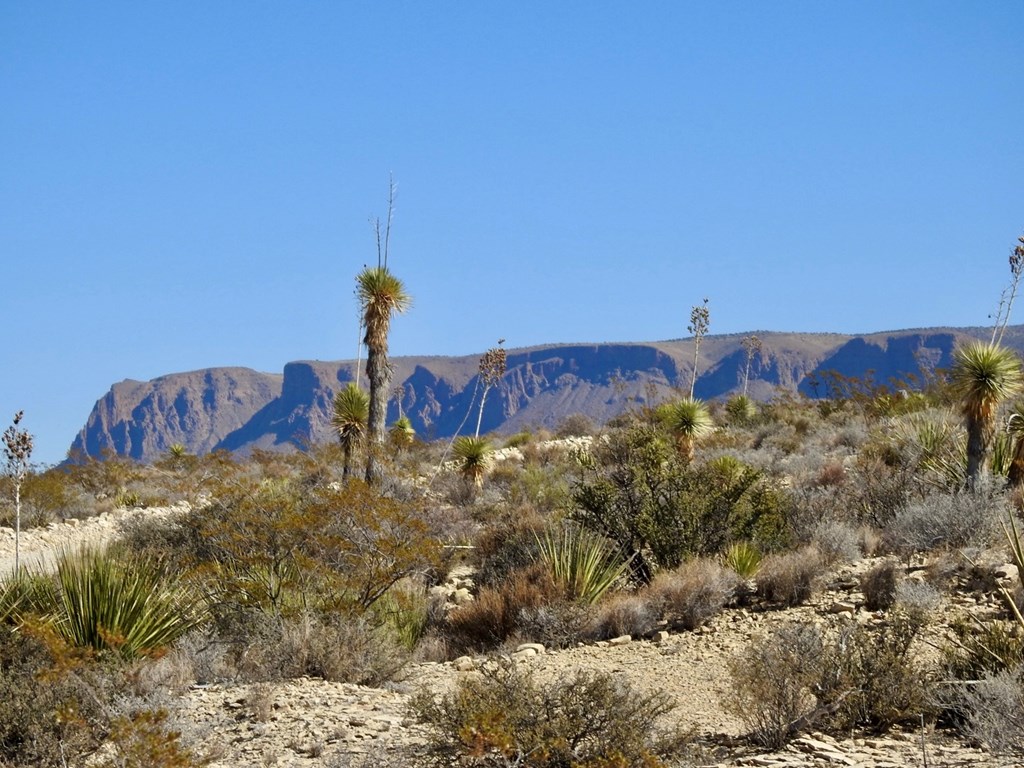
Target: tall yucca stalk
(584,564)
(983,376)
(117,601)
(381,294)
(350,419)
(688,420)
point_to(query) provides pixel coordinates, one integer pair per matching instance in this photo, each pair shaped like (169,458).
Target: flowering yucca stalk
(584,564)
(110,600)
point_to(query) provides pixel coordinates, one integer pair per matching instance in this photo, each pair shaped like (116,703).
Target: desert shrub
(518,440)
(405,611)
(790,579)
(695,591)
(505,718)
(556,624)
(793,679)
(145,738)
(575,425)
(837,541)
(991,711)
(335,647)
(285,547)
(977,648)
(624,613)
(873,679)
(772,683)
(583,564)
(918,599)
(508,546)
(947,520)
(543,487)
(878,490)
(660,509)
(495,615)
(50,706)
(740,410)
(879,586)
(743,558)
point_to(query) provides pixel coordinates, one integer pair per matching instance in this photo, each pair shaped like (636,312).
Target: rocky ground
(310,722)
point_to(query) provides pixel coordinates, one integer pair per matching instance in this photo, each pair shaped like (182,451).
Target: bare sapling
(17,452)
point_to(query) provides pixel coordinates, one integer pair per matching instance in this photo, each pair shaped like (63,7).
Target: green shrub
(660,509)
(505,718)
(977,648)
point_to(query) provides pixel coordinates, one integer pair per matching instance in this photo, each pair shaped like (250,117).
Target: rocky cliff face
(239,410)
(142,419)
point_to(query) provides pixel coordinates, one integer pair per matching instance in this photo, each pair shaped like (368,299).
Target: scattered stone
(536,647)
(620,640)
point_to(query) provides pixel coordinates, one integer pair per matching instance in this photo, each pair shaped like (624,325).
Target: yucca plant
(25,593)
(112,600)
(474,456)
(402,433)
(350,418)
(381,295)
(582,563)
(740,409)
(939,444)
(983,375)
(688,420)
(743,558)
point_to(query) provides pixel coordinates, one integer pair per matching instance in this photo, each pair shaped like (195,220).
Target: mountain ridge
(239,409)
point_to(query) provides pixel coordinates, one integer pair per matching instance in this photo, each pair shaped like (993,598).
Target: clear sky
(190,184)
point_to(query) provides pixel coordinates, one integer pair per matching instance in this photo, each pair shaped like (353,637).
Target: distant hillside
(239,409)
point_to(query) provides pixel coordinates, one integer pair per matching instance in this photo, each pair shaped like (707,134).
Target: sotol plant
(17,452)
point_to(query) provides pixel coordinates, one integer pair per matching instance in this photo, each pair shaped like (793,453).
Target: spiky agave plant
(688,420)
(350,418)
(474,456)
(582,563)
(114,600)
(983,376)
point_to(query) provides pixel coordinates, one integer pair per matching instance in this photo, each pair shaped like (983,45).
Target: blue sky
(190,184)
